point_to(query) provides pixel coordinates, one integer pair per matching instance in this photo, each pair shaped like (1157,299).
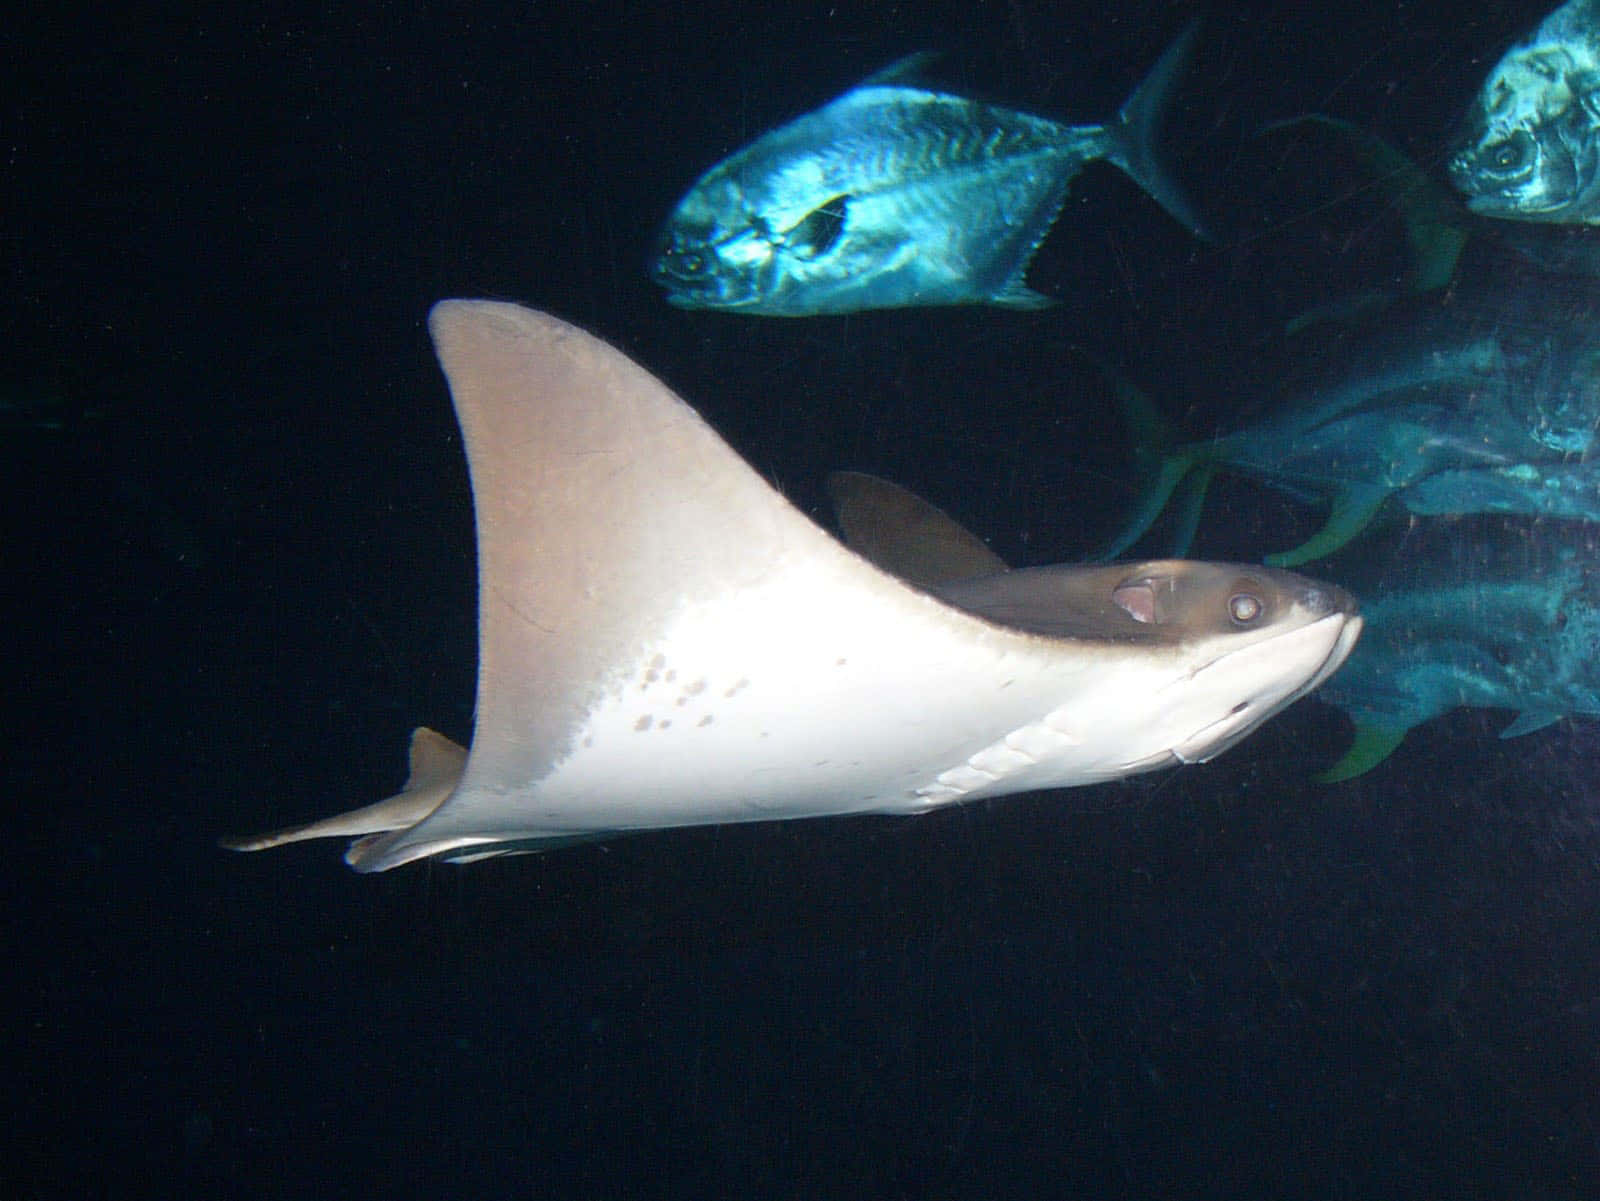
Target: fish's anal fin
(1015,294)
(1372,745)
(1528,721)
(1353,509)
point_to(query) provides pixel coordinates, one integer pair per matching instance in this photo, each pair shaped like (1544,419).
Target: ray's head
(1216,648)
(1258,639)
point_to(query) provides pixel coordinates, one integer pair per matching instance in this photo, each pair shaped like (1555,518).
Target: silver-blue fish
(892,196)
(1532,148)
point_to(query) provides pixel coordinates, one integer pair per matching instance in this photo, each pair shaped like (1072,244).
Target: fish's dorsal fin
(1435,223)
(903,70)
(436,765)
(904,534)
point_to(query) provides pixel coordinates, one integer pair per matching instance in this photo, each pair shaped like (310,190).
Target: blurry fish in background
(57,398)
(1435,226)
(892,196)
(1485,398)
(1532,147)
(1441,235)
(1488,616)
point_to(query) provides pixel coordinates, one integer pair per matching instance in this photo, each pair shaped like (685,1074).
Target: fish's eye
(682,263)
(1511,154)
(1244,608)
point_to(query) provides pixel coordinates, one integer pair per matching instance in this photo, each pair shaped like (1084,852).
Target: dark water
(242,570)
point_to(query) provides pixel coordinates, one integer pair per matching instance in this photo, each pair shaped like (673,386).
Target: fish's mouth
(685,266)
(694,276)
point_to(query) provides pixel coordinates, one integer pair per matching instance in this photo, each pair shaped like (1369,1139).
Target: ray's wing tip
(458,313)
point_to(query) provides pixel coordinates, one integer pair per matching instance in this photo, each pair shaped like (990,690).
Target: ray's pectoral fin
(905,535)
(1353,510)
(436,766)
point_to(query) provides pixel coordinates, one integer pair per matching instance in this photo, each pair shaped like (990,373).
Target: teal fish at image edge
(892,196)
(1481,622)
(1532,147)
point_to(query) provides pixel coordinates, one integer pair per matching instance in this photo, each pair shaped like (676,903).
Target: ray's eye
(1243,608)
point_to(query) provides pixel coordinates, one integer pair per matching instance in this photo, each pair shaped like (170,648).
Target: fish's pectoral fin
(818,231)
(1528,721)
(1371,746)
(1353,510)
(436,766)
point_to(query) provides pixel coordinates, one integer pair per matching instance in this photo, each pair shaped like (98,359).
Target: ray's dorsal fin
(905,535)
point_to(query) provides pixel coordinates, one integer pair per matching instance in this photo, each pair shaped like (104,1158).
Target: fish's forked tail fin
(1134,134)
(1161,467)
(1436,226)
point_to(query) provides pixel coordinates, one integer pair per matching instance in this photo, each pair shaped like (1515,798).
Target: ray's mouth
(1234,726)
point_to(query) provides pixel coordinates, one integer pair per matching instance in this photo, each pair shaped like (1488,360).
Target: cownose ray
(665,641)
